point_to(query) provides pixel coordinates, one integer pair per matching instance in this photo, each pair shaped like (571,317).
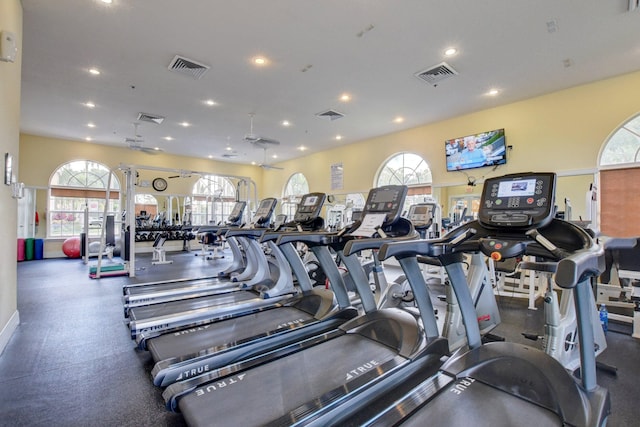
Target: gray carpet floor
(71,362)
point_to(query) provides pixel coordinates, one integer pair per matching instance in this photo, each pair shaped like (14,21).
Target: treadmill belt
(190,341)
(174,307)
(161,287)
(466,403)
(272,390)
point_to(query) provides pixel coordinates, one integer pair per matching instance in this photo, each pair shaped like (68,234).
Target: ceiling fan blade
(147,150)
(271,167)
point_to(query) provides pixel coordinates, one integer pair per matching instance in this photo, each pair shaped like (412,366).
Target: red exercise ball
(71,247)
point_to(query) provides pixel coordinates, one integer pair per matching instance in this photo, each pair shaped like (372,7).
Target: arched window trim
(377,183)
(626,163)
(68,198)
(417,190)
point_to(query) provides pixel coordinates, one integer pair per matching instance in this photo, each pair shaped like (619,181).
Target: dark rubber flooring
(71,362)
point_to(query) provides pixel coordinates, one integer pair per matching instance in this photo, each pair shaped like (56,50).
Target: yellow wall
(10,20)
(41,156)
(561,132)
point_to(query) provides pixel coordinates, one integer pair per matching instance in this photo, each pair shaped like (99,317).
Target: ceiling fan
(257,140)
(136,143)
(264,164)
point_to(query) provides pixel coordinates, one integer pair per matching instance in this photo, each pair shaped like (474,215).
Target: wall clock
(159,184)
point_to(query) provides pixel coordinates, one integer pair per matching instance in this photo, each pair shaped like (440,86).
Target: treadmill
(502,383)
(184,355)
(139,294)
(365,355)
(233,298)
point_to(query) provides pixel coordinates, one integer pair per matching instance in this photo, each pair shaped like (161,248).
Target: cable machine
(131,174)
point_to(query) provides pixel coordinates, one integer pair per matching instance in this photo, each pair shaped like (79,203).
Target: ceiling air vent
(330,114)
(436,74)
(189,67)
(151,118)
(230,155)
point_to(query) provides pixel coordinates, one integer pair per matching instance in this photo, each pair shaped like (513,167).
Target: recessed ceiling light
(338,137)
(450,51)
(91,125)
(210,102)
(185,124)
(228,148)
(302,148)
(398,119)
(345,97)
(107,1)
(94,71)
(156,148)
(88,138)
(493,92)
(286,123)
(253,163)
(260,60)
(89,104)
(210,156)
(274,156)
(168,138)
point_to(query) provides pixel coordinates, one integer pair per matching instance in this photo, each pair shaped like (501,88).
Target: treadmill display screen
(310,201)
(263,214)
(420,214)
(388,199)
(517,188)
(309,207)
(518,201)
(237,210)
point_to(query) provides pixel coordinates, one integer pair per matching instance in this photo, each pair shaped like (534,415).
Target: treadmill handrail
(357,245)
(621,243)
(312,237)
(574,268)
(245,232)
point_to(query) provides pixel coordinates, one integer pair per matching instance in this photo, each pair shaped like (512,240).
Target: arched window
(620,181)
(407,169)
(296,186)
(75,186)
(623,146)
(213,198)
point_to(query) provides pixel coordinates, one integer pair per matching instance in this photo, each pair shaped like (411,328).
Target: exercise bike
(560,339)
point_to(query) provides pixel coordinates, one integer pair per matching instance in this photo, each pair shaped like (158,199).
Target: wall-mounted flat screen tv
(476,151)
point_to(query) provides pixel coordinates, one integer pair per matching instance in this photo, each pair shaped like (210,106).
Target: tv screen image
(476,151)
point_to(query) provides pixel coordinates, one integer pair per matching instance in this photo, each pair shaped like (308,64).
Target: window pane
(66,212)
(404,168)
(622,147)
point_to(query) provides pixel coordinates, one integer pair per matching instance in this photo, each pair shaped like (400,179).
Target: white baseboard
(8,330)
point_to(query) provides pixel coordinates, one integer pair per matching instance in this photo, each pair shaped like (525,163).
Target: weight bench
(211,243)
(159,253)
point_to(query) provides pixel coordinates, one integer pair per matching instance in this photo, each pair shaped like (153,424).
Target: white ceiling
(316,51)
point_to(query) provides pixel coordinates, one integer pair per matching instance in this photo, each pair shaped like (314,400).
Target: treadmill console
(421,215)
(309,207)
(518,201)
(388,200)
(235,216)
(264,211)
